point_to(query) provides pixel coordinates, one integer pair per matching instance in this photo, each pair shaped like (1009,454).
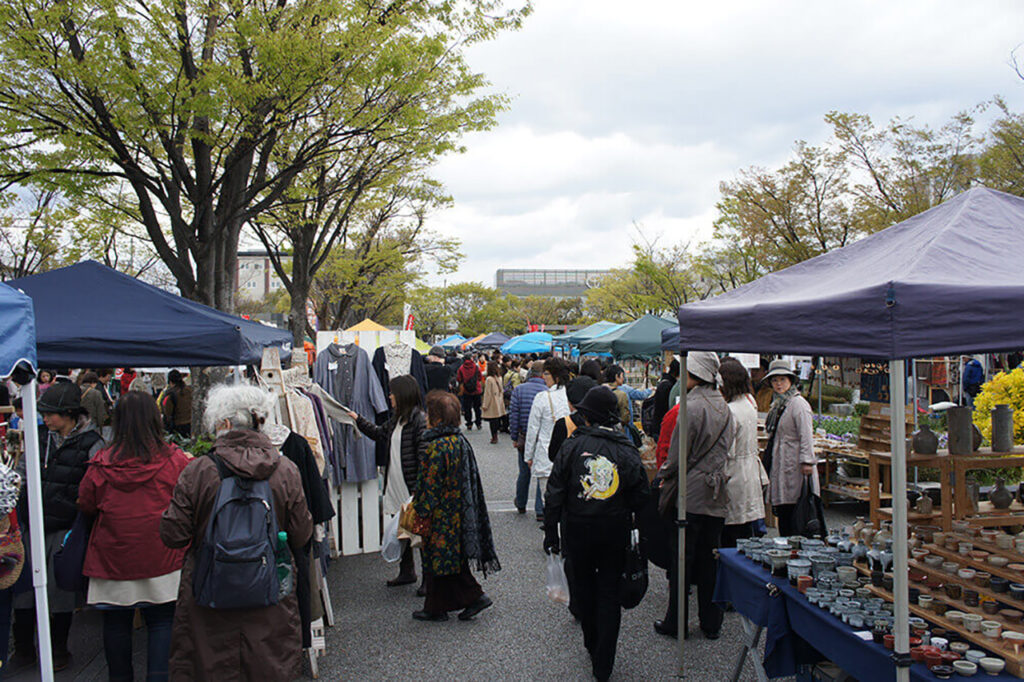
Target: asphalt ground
(523,636)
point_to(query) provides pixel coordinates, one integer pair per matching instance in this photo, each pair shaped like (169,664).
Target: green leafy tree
(1001,164)
(469,308)
(208,111)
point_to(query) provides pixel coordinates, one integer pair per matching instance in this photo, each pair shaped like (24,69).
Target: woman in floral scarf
(450,499)
(790,430)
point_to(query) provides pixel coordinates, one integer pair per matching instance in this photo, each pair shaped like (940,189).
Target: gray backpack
(235,566)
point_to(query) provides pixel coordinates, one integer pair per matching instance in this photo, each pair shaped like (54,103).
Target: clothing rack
(360,524)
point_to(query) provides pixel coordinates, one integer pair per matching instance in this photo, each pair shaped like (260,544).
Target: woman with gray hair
(235,643)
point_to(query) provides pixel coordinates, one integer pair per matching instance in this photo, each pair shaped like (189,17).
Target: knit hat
(577,389)
(62,397)
(536,368)
(437,352)
(703,365)
(600,406)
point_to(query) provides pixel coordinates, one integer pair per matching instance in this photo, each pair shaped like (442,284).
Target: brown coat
(494,399)
(238,644)
(794,445)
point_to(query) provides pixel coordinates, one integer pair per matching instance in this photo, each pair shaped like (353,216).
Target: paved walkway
(522,637)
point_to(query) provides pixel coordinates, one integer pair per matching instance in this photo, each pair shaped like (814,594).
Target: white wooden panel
(371,516)
(348,511)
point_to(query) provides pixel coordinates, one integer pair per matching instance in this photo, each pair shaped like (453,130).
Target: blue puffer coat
(520,404)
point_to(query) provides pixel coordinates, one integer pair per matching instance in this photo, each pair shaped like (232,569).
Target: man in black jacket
(596,484)
(439,375)
(661,396)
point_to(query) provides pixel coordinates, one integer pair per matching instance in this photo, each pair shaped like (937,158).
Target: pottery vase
(925,441)
(1000,497)
(924,505)
(961,427)
(1002,428)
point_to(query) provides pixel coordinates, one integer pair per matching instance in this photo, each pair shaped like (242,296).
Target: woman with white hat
(790,430)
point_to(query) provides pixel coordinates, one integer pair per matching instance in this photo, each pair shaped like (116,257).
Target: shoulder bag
(633,581)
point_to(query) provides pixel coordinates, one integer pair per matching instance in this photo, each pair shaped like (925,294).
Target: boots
(406,568)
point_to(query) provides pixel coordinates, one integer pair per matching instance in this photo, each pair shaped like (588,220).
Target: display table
(788,617)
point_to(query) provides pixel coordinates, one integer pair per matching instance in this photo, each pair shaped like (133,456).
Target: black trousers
(595,554)
(739,531)
(703,536)
(784,515)
(471,404)
(495,425)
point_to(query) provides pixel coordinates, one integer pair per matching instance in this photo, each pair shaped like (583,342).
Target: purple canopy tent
(946,281)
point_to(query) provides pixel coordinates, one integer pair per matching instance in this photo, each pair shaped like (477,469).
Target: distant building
(560,283)
(256,276)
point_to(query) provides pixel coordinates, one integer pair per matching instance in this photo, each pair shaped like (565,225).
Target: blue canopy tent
(89,315)
(946,281)
(18,331)
(641,339)
(453,341)
(534,342)
(491,341)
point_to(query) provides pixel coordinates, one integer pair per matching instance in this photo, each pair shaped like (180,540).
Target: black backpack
(470,384)
(235,564)
(647,416)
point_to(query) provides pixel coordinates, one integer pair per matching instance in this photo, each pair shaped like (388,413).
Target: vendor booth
(945,281)
(88,315)
(534,342)
(638,339)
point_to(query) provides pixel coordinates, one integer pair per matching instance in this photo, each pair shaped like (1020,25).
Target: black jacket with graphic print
(579,465)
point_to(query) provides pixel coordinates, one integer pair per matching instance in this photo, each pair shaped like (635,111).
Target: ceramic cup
(991,629)
(998,584)
(1017,591)
(966,573)
(924,601)
(953,590)
(970,597)
(998,561)
(974,655)
(965,668)
(950,567)
(1011,615)
(981,578)
(972,621)
(965,547)
(992,665)
(938,538)
(990,606)
(1004,541)
(940,642)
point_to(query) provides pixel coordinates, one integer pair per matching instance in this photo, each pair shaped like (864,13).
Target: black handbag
(655,530)
(70,557)
(809,513)
(633,581)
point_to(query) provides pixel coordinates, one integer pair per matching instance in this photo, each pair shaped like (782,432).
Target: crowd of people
(575,430)
(108,454)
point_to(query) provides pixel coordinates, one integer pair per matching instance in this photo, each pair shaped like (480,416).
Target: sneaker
(427,616)
(476,607)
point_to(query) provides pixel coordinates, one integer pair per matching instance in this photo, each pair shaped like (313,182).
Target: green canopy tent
(638,339)
(587,333)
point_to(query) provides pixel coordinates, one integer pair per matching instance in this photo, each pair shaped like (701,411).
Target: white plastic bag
(558,586)
(391,547)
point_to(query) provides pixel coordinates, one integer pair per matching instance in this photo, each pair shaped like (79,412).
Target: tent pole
(682,435)
(821,368)
(897,427)
(37,536)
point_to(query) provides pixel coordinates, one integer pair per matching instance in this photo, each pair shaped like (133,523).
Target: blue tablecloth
(789,617)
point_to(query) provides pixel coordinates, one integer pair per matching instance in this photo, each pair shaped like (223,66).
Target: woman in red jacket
(127,487)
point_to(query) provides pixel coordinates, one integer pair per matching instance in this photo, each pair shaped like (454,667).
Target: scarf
(779,402)
(477,541)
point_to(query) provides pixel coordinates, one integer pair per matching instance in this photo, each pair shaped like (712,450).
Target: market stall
(638,339)
(590,331)
(945,281)
(88,315)
(534,342)
(453,341)
(18,331)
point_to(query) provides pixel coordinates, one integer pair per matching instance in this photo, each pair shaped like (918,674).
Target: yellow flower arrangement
(1006,388)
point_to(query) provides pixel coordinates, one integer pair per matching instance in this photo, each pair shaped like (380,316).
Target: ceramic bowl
(920,553)
(974,655)
(924,601)
(960,647)
(965,668)
(972,621)
(1014,639)
(992,665)
(998,561)
(933,561)
(991,629)
(966,573)
(999,584)
(1017,590)
(917,576)
(978,554)
(1004,541)
(950,567)
(940,643)
(938,538)
(957,617)
(1011,615)
(1016,567)
(942,671)
(965,547)
(990,606)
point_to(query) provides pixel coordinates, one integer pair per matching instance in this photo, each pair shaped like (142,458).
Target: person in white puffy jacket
(548,407)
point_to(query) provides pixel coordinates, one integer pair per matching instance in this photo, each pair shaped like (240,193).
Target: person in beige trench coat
(793,458)
(494,399)
(235,644)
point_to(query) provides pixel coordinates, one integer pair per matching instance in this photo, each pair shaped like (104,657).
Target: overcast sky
(635,112)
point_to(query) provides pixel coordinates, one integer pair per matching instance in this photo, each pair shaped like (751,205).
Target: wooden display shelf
(879,477)
(1013,555)
(861,494)
(967,561)
(1014,661)
(913,517)
(1005,599)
